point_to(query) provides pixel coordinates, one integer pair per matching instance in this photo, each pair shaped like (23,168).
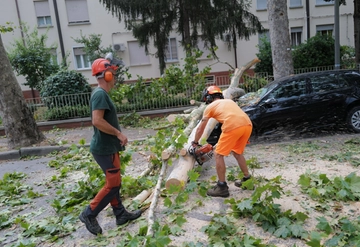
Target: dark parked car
(310,99)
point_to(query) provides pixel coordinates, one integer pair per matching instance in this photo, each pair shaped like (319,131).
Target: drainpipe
(307,19)
(59,33)
(337,35)
(19,18)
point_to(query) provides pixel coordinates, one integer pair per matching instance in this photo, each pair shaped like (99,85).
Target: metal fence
(146,99)
(77,105)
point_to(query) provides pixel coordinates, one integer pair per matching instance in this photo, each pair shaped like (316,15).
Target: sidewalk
(68,137)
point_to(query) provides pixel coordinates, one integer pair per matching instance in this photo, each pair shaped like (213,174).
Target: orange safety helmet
(210,93)
(101,65)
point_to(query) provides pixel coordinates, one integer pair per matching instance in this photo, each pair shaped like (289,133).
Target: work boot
(127,216)
(238,183)
(219,190)
(91,223)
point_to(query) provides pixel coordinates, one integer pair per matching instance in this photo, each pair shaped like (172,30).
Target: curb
(41,151)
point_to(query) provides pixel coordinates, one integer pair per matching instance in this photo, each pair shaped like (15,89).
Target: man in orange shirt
(236,130)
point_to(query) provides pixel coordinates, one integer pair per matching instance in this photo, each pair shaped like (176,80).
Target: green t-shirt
(102,143)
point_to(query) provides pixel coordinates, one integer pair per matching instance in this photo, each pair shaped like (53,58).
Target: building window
(325,29)
(77,11)
(42,12)
(171,51)
(82,60)
(322,2)
(296,33)
(261,4)
(295,3)
(137,54)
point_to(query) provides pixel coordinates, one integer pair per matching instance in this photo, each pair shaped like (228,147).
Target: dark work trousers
(110,193)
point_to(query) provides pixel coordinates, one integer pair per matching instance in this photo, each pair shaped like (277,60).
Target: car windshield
(253,98)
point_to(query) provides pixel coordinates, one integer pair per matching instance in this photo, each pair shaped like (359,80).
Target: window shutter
(78,51)
(296,29)
(295,3)
(324,27)
(77,11)
(137,54)
(42,8)
(261,4)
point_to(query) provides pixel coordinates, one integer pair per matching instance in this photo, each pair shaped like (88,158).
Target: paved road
(25,166)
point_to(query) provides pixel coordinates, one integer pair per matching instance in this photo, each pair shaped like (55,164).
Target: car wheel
(353,119)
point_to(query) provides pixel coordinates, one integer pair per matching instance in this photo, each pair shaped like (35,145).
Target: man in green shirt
(105,145)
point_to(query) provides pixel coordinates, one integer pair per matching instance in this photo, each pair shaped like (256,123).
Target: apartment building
(65,20)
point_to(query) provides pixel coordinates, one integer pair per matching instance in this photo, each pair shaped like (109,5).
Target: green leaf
(282,232)
(193,176)
(245,204)
(300,216)
(334,241)
(324,225)
(297,230)
(180,220)
(304,181)
(167,202)
(314,193)
(315,239)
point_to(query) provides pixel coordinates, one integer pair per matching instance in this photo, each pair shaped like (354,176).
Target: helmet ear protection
(209,99)
(108,76)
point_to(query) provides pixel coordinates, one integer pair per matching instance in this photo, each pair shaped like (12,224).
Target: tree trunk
(19,123)
(357,32)
(280,38)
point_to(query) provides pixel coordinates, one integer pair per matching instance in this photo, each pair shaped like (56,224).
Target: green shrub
(67,112)
(315,52)
(265,56)
(70,87)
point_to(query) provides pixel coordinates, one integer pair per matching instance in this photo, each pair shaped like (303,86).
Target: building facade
(66,20)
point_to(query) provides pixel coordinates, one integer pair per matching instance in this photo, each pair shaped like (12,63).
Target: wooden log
(140,198)
(178,175)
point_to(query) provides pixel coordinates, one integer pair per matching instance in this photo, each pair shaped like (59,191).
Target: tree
(31,58)
(356,28)
(280,38)
(19,124)
(193,20)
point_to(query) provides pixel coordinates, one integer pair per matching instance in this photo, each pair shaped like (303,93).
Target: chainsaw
(202,153)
